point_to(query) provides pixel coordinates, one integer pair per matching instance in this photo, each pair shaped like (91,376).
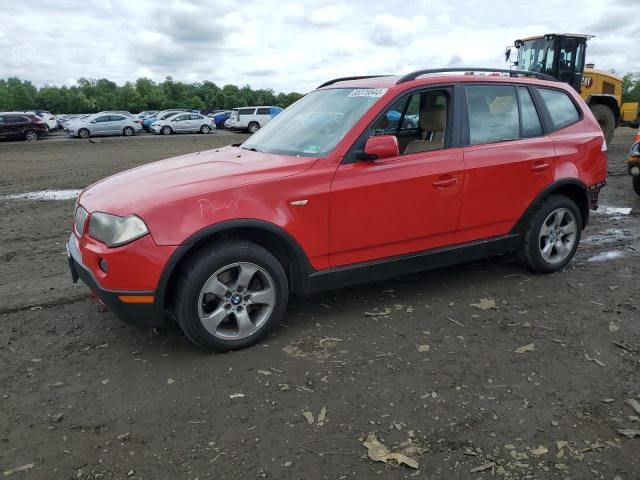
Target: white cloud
(266,43)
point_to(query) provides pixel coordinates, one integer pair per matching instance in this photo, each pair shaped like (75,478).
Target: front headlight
(79,219)
(114,230)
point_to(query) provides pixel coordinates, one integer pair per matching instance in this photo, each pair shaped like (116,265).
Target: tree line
(88,96)
(631,87)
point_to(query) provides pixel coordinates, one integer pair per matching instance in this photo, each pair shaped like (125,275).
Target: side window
(102,119)
(493,113)
(419,121)
(561,108)
(530,121)
(390,121)
(115,118)
(180,118)
(15,119)
(2,120)
(264,111)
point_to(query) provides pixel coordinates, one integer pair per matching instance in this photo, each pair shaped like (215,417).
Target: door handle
(539,167)
(446,182)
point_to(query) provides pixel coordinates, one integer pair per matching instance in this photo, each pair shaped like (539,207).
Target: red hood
(145,188)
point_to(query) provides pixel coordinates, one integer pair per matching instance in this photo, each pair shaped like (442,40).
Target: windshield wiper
(252,149)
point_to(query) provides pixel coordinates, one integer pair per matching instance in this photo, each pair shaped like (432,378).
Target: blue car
(220,117)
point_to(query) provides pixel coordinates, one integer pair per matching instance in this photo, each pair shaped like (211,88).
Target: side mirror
(383,146)
(507,54)
(634,153)
(93,121)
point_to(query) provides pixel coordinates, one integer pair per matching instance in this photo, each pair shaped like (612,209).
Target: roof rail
(344,79)
(413,75)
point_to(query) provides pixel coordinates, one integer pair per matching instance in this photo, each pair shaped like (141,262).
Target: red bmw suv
(363,178)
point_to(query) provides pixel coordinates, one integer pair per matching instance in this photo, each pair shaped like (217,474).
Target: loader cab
(561,56)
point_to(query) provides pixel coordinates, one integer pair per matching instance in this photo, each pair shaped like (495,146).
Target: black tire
(530,253)
(205,129)
(253,127)
(31,135)
(84,133)
(200,267)
(166,130)
(128,131)
(636,184)
(606,120)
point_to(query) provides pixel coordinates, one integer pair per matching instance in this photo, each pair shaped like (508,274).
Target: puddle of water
(610,235)
(606,256)
(44,195)
(604,210)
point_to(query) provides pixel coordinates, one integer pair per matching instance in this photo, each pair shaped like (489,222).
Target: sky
(292,46)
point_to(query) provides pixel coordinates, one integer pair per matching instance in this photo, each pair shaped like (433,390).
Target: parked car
(220,238)
(103,124)
(146,123)
(220,117)
(26,126)
(183,123)
(47,116)
(74,118)
(251,119)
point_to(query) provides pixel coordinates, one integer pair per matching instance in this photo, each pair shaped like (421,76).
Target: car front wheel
(636,184)
(83,133)
(230,295)
(166,130)
(552,238)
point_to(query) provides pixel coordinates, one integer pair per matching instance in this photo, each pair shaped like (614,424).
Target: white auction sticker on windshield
(368,92)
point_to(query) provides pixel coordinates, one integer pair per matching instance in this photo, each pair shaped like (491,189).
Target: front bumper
(126,305)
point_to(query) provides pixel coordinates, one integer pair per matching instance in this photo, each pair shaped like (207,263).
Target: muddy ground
(83,396)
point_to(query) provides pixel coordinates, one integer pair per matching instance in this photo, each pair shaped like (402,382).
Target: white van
(251,118)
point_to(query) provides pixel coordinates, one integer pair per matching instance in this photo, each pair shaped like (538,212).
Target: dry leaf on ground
(529,347)
(484,304)
(380,453)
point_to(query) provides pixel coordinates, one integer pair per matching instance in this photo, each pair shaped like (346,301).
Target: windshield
(315,124)
(537,56)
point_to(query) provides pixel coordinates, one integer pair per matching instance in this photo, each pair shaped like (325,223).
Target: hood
(150,186)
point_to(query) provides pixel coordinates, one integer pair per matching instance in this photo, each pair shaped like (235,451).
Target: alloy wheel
(236,301)
(558,235)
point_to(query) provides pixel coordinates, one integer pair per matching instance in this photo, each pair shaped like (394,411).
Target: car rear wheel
(128,131)
(254,127)
(31,135)
(205,129)
(166,130)
(83,133)
(229,296)
(552,238)
(636,184)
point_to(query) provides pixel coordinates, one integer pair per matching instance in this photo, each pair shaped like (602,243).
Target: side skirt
(403,265)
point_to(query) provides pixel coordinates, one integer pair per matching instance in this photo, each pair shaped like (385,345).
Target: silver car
(103,124)
(183,122)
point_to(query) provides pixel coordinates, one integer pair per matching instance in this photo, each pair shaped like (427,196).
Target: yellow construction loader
(563,56)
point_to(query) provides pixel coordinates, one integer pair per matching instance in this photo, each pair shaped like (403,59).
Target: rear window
(531,126)
(493,113)
(561,108)
(15,119)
